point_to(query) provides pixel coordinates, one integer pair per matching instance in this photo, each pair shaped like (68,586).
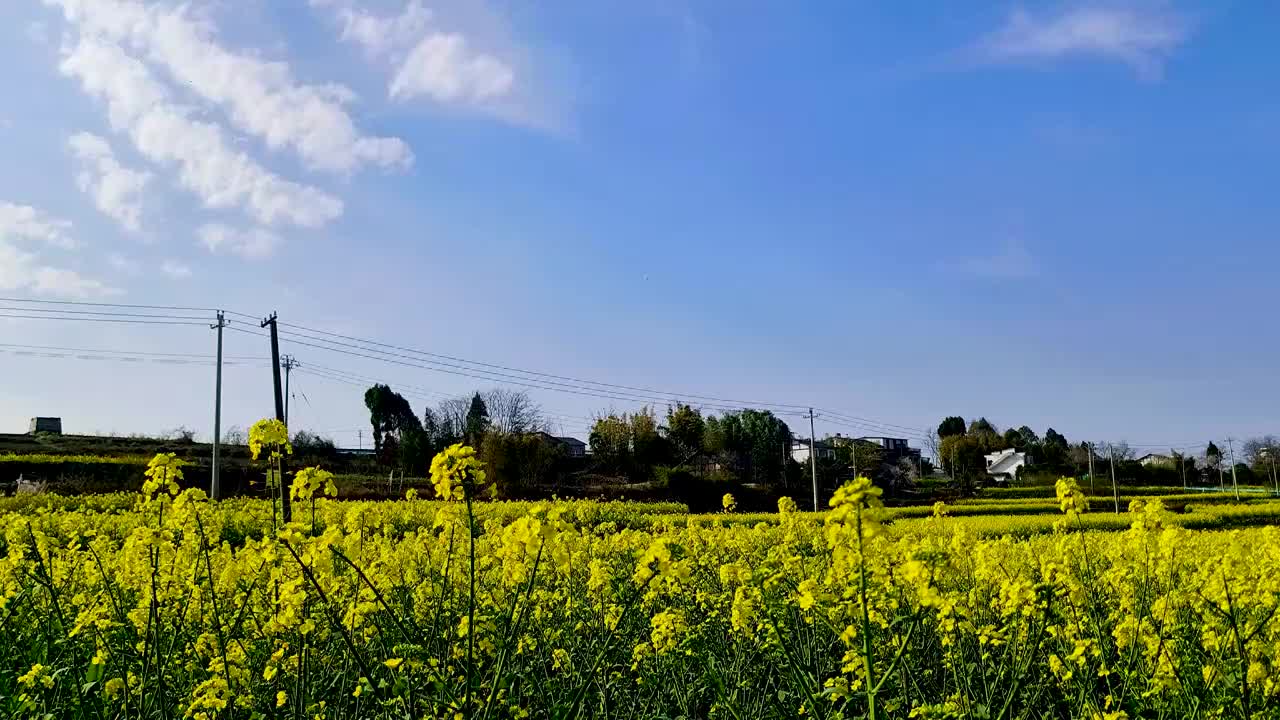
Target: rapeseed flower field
(175,607)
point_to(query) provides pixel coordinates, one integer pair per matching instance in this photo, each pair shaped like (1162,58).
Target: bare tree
(513,411)
(234,436)
(451,416)
(933,444)
(1121,450)
(1256,450)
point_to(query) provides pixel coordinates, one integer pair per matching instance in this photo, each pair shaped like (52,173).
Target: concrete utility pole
(1182,468)
(813,460)
(289,363)
(286,508)
(1115,491)
(1091,488)
(215,486)
(1235,487)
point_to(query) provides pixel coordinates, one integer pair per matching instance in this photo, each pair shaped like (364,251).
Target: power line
(355,379)
(115,305)
(105,320)
(490,376)
(493,372)
(127,352)
(579,381)
(868,421)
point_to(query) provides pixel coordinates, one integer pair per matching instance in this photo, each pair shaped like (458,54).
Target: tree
(451,419)
(963,455)
(1120,451)
(1014,439)
(1262,454)
(1054,453)
(953,425)
(685,430)
(1213,458)
(1257,450)
(933,443)
(646,444)
(306,440)
(982,426)
(477,420)
(751,443)
(518,465)
(512,411)
(389,413)
(610,441)
(1030,438)
(1212,454)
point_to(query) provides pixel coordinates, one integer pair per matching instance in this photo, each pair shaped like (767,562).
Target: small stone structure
(45,424)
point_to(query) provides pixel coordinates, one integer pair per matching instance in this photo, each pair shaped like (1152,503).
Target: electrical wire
(412,390)
(491,372)
(579,381)
(126,321)
(130,352)
(557,387)
(115,305)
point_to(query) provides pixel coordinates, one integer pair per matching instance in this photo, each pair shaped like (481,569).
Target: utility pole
(1182,468)
(360,438)
(289,363)
(1235,487)
(813,460)
(1115,491)
(286,508)
(1091,488)
(215,486)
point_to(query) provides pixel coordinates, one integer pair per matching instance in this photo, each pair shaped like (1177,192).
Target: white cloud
(260,97)
(163,131)
(29,223)
(441,67)
(380,36)
(251,244)
(1013,261)
(116,190)
(456,54)
(175,269)
(1139,37)
(22,270)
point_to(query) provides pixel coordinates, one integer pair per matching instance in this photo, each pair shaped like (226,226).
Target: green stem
(867,665)
(471,600)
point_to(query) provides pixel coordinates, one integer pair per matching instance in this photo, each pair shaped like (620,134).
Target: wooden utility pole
(286,508)
(215,486)
(1115,490)
(289,363)
(1091,488)
(1235,486)
(813,460)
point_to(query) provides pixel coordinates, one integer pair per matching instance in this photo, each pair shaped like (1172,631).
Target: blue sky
(1058,214)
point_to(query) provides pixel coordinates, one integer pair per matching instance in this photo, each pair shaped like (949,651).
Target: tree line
(962,447)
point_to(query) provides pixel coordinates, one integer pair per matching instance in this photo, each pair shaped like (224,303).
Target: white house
(1006,464)
(1156,459)
(800,450)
